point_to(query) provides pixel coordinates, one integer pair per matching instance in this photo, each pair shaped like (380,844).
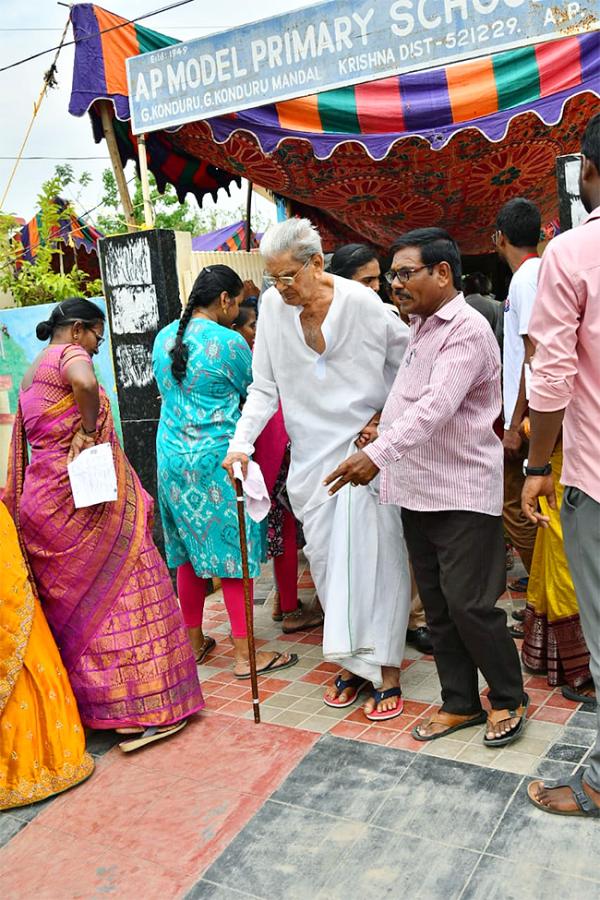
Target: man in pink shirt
(442,463)
(565,392)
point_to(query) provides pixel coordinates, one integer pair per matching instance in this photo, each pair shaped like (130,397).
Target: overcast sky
(27,28)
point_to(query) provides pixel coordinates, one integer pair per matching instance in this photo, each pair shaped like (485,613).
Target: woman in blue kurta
(203,380)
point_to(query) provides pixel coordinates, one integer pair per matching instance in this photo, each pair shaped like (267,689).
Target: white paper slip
(93,477)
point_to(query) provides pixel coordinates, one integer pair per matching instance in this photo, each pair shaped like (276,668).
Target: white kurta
(327,399)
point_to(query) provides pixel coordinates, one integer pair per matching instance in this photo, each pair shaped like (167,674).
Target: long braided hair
(208,286)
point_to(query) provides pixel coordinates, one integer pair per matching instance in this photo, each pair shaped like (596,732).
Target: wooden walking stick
(247,599)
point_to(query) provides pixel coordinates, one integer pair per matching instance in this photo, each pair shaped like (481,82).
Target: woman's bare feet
(391,679)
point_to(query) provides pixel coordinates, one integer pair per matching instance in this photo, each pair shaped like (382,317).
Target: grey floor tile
(566,752)
(204,890)
(583,719)
(293,849)
(554,769)
(581,737)
(9,826)
(345,778)
(384,864)
(448,801)
(568,845)
(502,879)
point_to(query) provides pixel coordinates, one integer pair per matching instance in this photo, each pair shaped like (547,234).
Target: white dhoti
(358,561)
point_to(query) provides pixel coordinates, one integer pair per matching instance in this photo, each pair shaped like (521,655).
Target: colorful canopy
(445,146)
(230,237)
(70,230)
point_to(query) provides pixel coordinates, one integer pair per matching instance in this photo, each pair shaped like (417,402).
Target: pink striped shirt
(437,449)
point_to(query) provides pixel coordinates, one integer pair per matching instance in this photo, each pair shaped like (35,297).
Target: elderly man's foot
(345,689)
(301,619)
(389,704)
(577,798)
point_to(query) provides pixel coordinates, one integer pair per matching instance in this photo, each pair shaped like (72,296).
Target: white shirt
(326,398)
(517,311)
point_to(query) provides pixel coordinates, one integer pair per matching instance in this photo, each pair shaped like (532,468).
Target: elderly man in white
(329,352)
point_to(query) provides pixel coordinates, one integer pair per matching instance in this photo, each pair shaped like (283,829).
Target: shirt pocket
(416,375)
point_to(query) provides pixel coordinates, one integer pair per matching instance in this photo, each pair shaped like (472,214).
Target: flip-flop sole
(335,705)
(389,714)
(268,670)
(138,743)
(470,723)
(570,694)
(555,812)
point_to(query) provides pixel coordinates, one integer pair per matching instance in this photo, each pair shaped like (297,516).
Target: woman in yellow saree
(42,741)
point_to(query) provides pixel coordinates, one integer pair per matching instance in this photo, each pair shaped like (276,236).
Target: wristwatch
(536,470)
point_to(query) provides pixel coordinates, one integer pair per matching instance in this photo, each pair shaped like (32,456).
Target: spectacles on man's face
(283,280)
(403,275)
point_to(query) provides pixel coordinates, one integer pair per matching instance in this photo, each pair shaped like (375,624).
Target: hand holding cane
(239,490)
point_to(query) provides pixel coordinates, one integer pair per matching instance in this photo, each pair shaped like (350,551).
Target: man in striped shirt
(442,463)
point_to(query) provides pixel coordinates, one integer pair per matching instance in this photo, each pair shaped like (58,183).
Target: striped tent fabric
(70,230)
(230,237)
(441,146)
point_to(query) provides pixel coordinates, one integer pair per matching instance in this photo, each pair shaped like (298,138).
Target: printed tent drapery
(70,230)
(445,146)
(230,237)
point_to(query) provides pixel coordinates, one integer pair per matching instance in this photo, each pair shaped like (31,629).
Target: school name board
(330,45)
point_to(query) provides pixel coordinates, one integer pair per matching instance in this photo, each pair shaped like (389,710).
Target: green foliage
(32,283)
(168,211)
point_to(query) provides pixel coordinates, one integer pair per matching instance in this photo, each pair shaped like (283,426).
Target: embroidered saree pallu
(42,742)
(104,587)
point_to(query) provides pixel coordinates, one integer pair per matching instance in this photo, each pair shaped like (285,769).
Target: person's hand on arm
(84,384)
(369,432)
(357,469)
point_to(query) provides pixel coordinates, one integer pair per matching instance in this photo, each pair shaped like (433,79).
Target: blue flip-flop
(344,684)
(378,696)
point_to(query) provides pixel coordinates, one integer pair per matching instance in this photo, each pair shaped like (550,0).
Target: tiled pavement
(313,803)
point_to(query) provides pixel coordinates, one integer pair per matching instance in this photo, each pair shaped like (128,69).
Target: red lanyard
(525,258)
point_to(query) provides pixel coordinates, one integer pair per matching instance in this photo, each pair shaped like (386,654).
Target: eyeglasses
(403,275)
(284,280)
(99,339)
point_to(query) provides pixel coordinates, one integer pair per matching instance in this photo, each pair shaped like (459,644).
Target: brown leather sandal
(453,723)
(496,716)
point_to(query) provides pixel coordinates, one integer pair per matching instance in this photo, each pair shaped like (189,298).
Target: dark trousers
(459,563)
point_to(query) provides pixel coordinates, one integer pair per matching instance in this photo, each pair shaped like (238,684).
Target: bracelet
(88,433)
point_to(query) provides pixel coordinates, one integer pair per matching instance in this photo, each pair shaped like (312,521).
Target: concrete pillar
(139,273)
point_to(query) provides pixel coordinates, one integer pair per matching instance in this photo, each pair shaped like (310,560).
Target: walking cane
(247,599)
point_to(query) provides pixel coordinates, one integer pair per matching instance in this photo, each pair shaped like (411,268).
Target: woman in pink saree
(104,587)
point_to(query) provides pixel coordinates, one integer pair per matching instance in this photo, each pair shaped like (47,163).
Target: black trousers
(459,563)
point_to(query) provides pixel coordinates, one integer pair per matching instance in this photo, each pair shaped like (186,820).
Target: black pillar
(139,273)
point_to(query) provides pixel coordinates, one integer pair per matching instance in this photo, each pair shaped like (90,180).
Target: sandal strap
(378,696)
(342,684)
(584,802)
(444,718)
(295,613)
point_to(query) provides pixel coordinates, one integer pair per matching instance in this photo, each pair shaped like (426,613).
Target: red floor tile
(552,714)
(237,707)
(313,638)
(231,691)
(316,677)
(558,701)
(356,715)
(538,697)
(398,724)
(405,742)
(415,707)
(375,736)
(539,682)
(347,729)
(327,667)
(76,867)
(273,684)
(406,663)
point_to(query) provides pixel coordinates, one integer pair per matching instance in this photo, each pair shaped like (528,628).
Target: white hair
(296,236)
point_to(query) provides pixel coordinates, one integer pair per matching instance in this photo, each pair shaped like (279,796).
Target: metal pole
(143,158)
(239,490)
(248,215)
